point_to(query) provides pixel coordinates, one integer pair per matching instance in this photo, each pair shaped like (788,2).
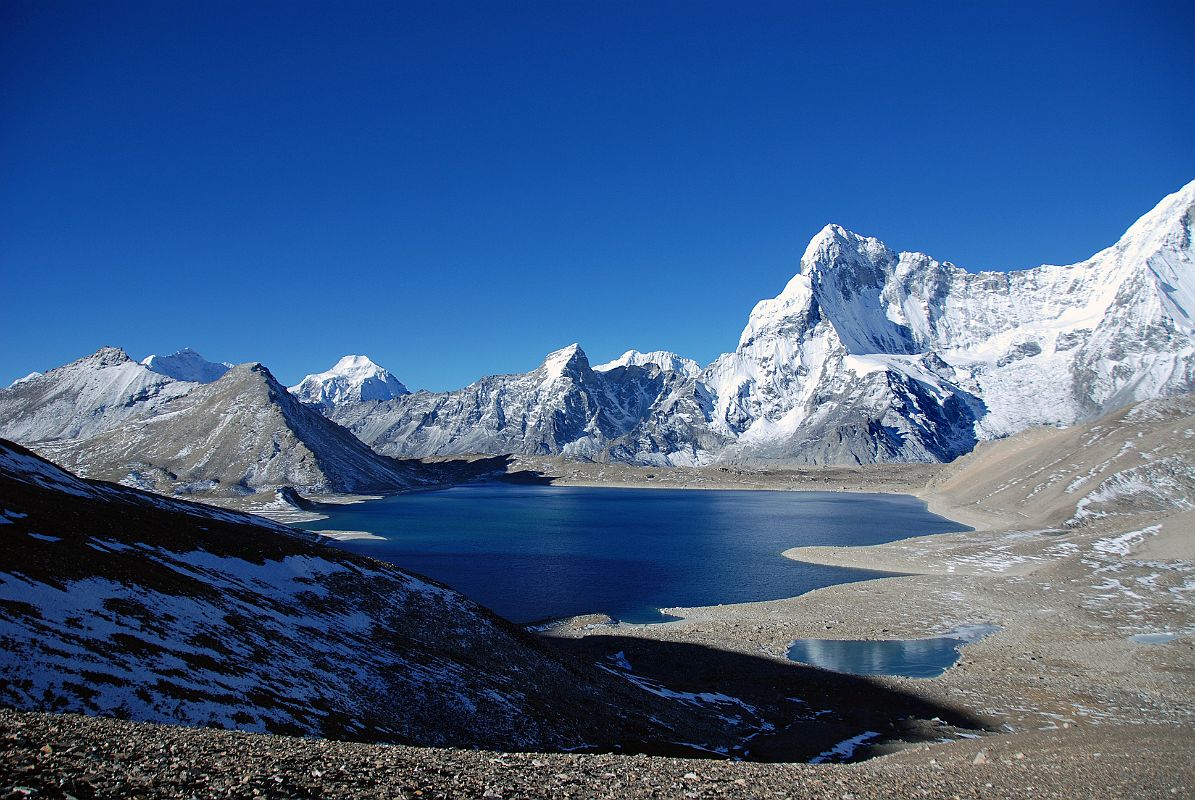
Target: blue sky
(455,189)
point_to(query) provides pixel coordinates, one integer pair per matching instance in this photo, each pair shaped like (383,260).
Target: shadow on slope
(774,711)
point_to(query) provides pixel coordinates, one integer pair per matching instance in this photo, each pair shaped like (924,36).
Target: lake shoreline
(1070,653)
(531,552)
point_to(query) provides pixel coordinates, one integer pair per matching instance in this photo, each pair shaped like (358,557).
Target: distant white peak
(26,379)
(571,358)
(186,365)
(663,359)
(353,378)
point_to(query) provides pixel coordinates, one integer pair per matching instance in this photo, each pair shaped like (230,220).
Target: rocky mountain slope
(84,397)
(1128,469)
(55,754)
(121,603)
(240,434)
(867,356)
(353,379)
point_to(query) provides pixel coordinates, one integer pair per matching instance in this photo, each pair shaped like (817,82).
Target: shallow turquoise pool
(907,658)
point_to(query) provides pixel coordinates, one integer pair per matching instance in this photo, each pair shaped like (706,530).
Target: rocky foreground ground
(46,755)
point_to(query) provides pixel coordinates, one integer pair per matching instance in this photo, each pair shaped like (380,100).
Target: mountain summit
(869,354)
(351,379)
(85,397)
(186,365)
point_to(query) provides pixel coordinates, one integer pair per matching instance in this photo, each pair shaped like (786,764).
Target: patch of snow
(36,472)
(1153,638)
(1123,545)
(619,660)
(844,749)
(347,536)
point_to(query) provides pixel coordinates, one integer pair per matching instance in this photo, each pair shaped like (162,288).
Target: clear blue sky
(455,189)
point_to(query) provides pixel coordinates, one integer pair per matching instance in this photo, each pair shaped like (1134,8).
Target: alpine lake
(536,553)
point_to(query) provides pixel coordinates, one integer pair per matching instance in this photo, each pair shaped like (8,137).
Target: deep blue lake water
(537,552)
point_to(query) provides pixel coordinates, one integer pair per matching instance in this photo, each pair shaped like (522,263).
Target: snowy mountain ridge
(562,406)
(241,434)
(663,359)
(28,377)
(866,355)
(870,332)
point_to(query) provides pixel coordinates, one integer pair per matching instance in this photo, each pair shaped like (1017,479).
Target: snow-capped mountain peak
(353,378)
(663,359)
(186,365)
(570,360)
(1172,215)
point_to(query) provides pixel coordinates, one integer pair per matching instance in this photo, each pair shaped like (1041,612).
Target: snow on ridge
(26,379)
(664,359)
(29,469)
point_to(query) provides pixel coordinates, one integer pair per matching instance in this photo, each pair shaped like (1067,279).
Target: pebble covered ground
(59,756)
